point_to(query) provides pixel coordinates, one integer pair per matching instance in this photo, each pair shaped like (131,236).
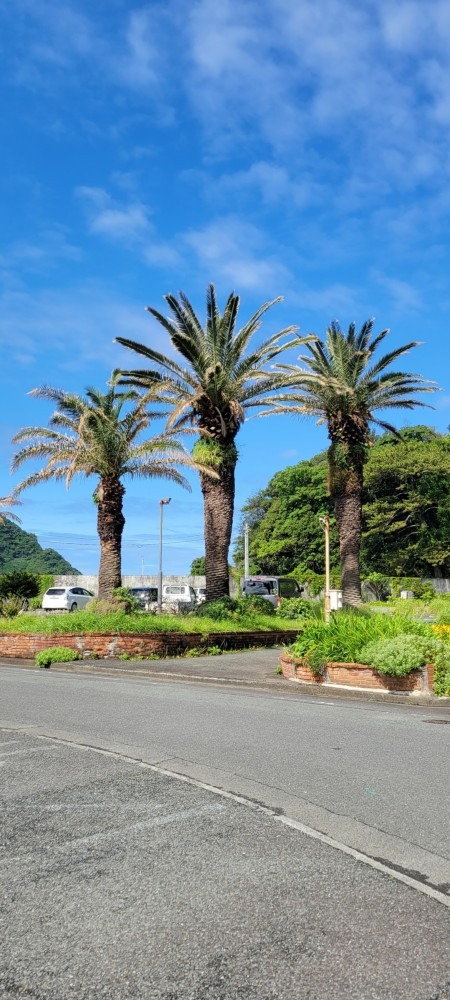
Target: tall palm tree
(97,436)
(343,386)
(210,389)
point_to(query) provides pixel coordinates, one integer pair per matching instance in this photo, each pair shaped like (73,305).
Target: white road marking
(308,831)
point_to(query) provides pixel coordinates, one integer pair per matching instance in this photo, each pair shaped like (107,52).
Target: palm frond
(7,515)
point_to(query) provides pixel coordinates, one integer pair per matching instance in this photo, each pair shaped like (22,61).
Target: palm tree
(344,387)
(97,436)
(7,515)
(216,381)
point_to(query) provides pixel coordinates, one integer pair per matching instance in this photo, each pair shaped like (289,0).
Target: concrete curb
(277,685)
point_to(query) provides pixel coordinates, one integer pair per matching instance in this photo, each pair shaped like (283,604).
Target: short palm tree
(210,389)
(343,386)
(97,436)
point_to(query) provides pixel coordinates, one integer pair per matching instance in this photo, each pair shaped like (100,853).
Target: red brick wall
(163,643)
(296,668)
(359,675)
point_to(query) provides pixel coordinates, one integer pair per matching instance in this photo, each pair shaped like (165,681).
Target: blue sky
(270,147)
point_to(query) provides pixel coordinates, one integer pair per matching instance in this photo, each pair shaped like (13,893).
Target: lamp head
(165,500)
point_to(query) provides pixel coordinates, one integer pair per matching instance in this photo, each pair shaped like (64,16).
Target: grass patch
(82,622)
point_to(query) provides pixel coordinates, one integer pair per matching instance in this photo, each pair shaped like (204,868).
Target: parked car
(178,597)
(273,588)
(200,594)
(146,596)
(66,598)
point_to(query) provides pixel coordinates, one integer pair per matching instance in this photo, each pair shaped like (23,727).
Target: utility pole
(160,573)
(325,522)
(246,561)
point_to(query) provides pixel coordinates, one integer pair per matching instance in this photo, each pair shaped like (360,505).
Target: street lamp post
(160,572)
(246,560)
(325,522)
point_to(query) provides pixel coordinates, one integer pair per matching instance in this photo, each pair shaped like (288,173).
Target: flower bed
(357,675)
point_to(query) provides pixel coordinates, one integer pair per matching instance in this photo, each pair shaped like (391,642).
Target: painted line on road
(294,824)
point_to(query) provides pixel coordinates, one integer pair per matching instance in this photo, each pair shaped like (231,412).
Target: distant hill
(21,550)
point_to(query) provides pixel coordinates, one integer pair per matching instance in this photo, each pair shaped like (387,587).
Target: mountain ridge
(20,549)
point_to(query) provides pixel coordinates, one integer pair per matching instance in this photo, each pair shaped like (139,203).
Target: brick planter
(137,644)
(358,675)
(296,669)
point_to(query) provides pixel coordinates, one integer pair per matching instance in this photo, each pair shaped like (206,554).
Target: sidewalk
(250,669)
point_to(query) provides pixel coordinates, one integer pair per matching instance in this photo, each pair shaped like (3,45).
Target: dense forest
(21,550)
(406,512)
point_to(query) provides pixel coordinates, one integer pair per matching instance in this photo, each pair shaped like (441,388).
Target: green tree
(98,436)
(198,566)
(217,380)
(339,382)
(285,532)
(20,583)
(406,512)
(407,504)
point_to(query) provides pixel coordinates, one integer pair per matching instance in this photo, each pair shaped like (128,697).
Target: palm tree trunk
(346,484)
(218,497)
(110,524)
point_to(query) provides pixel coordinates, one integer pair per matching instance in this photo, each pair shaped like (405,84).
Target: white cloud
(129,224)
(111,219)
(404,296)
(45,251)
(74,327)
(140,63)
(234,250)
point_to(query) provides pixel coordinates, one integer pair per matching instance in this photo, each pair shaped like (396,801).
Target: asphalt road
(121,881)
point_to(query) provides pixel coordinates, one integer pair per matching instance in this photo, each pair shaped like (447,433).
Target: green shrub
(214,651)
(121,600)
(20,583)
(399,655)
(348,633)
(46,581)
(442,671)
(11,605)
(422,591)
(223,607)
(316,581)
(35,603)
(56,654)
(195,651)
(248,605)
(379,584)
(124,599)
(297,607)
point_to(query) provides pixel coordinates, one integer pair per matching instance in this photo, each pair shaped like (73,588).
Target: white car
(178,598)
(66,598)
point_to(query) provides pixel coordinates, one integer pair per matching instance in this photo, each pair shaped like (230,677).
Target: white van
(179,597)
(273,588)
